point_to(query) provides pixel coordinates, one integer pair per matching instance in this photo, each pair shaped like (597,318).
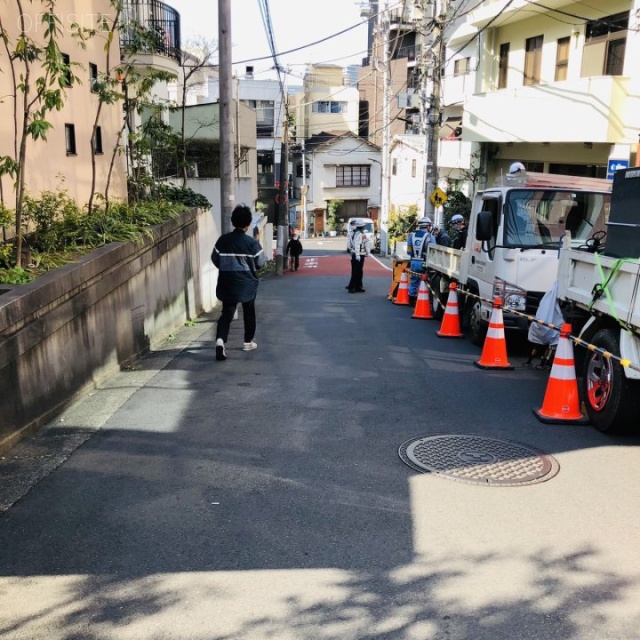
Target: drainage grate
(479,460)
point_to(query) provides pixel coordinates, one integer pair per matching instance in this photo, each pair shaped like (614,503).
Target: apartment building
(557,85)
(63,159)
(418,105)
(265,97)
(328,102)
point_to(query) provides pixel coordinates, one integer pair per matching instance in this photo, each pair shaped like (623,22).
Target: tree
(40,78)
(456,202)
(133,84)
(333,209)
(191,67)
(108,89)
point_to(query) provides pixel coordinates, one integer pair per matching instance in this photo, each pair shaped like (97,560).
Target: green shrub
(183,195)
(62,231)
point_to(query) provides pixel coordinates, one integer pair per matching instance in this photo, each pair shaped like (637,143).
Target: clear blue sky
(295,23)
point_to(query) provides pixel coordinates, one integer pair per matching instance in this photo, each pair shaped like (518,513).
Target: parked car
(369,230)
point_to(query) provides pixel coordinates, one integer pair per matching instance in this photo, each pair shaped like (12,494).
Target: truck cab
(515,232)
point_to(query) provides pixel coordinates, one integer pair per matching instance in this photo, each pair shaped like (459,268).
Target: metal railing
(150,26)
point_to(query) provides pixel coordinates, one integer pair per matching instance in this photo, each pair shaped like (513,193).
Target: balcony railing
(150,26)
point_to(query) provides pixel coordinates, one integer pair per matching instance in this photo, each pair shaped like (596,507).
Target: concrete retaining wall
(74,326)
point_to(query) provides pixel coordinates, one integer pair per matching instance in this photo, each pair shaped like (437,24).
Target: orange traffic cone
(450,327)
(403,290)
(494,351)
(423,306)
(561,403)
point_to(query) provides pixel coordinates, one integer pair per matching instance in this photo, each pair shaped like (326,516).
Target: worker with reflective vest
(416,248)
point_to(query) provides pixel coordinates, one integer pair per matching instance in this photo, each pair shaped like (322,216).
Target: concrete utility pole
(432,105)
(283,194)
(303,194)
(386,130)
(227,184)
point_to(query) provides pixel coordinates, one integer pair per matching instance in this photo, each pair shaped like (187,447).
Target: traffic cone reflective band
(561,403)
(403,290)
(450,327)
(423,306)
(494,351)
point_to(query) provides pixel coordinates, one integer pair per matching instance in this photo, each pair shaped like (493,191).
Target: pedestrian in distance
(442,237)
(238,256)
(294,251)
(350,248)
(361,249)
(460,225)
(417,243)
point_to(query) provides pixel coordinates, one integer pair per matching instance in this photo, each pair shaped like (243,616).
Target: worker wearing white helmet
(360,249)
(416,247)
(460,226)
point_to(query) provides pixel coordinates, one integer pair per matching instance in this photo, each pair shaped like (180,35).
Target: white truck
(601,290)
(513,242)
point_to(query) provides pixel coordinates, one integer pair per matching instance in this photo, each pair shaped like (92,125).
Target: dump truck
(515,232)
(598,284)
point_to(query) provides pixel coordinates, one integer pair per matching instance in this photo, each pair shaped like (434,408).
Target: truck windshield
(540,217)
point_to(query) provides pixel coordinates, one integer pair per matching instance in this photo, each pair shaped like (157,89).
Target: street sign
(438,197)
(614,165)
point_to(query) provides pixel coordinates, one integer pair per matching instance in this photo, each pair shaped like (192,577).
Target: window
(93,77)
(265,119)
(614,59)
(70,139)
(503,65)
(266,170)
(562,59)
(462,66)
(533,60)
(66,74)
(329,106)
(605,45)
(97,141)
(414,166)
(353,176)
(394,167)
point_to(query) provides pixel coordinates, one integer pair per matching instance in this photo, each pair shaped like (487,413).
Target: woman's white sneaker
(221,353)
(249,346)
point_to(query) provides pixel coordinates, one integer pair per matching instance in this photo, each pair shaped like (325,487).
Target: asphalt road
(264,498)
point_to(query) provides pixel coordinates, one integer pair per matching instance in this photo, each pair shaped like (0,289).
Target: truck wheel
(437,301)
(477,326)
(610,398)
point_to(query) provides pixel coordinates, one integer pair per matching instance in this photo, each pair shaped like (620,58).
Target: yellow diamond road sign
(438,197)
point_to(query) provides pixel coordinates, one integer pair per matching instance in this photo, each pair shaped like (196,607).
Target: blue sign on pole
(614,165)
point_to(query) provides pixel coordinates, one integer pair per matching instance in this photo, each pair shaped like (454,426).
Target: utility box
(623,228)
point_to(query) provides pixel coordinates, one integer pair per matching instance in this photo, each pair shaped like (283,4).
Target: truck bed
(578,273)
(444,259)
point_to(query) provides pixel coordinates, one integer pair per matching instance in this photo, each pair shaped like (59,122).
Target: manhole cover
(479,460)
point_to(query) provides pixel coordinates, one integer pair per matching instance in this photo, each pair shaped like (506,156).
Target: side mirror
(484,226)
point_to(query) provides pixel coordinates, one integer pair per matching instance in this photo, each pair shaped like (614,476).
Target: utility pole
(303,193)
(386,130)
(227,185)
(432,105)
(283,193)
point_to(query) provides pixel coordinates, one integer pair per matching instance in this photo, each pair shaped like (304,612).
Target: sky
(295,23)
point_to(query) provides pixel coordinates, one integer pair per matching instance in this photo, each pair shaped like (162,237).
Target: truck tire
(610,397)
(438,300)
(477,326)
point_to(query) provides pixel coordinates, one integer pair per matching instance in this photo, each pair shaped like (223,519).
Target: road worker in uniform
(416,247)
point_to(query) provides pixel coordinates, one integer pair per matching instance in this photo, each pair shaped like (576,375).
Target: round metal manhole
(479,460)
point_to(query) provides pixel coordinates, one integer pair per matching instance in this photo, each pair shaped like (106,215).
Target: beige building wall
(371,87)
(324,84)
(49,166)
